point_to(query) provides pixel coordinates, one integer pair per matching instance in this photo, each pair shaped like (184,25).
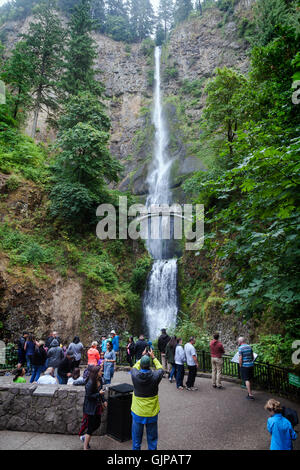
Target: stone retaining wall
(43,408)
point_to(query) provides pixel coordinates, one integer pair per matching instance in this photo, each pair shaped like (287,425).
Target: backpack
(291,415)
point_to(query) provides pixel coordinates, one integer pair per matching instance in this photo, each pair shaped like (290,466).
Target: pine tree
(44,43)
(117,21)
(81,53)
(182,10)
(159,34)
(84,164)
(18,73)
(98,14)
(165,14)
(141,19)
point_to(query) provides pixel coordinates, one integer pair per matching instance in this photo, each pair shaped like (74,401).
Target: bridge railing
(269,377)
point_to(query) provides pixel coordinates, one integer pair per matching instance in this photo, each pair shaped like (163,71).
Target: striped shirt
(247,355)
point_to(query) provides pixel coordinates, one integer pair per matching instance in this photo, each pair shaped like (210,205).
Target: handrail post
(203,359)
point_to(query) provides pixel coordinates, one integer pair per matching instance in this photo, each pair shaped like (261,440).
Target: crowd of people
(60,364)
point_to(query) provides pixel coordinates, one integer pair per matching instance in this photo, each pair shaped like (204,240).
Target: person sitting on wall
(48,377)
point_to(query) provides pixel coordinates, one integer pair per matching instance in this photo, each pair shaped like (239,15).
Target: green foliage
(170,73)
(271,16)
(252,200)
(20,154)
(274,349)
(187,328)
(227,5)
(80,55)
(23,249)
(150,77)
(84,162)
(43,46)
(18,72)
(98,269)
(147,47)
(193,88)
(182,10)
(140,274)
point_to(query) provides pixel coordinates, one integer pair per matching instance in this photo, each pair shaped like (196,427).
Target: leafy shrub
(187,328)
(13,183)
(23,249)
(170,73)
(99,270)
(140,273)
(20,154)
(147,47)
(193,88)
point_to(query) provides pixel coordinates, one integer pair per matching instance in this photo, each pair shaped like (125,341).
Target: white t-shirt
(190,351)
(47,380)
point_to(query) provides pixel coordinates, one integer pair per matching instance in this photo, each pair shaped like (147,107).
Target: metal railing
(269,377)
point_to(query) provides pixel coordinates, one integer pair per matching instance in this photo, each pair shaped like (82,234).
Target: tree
(165,14)
(44,45)
(79,74)
(18,73)
(182,10)
(117,21)
(84,164)
(160,34)
(221,111)
(269,14)
(98,14)
(141,19)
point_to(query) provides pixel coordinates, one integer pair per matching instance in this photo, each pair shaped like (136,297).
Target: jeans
(172,371)
(62,380)
(179,375)
(137,435)
(28,362)
(192,376)
(36,372)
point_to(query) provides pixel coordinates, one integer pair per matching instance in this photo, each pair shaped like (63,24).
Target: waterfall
(160,296)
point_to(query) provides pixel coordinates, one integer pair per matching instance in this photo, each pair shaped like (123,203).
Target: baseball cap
(145,362)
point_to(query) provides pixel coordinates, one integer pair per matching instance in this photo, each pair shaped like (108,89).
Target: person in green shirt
(19,378)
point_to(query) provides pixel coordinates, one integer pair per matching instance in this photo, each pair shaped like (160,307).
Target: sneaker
(214,386)
(250,397)
(221,387)
(194,388)
(179,388)
(82,438)
(187,388)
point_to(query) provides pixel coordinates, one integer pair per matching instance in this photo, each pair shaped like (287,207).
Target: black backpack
(291,415)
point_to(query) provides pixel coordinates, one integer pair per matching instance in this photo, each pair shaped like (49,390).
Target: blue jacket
(115,343)
(282,432)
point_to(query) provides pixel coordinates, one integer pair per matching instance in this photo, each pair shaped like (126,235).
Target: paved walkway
(206,419)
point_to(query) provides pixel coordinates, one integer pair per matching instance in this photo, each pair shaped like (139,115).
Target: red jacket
(93,356)
(216,348)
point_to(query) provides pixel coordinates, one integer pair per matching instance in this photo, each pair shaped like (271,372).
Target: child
(280,428)
(101,360)
(19,378)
